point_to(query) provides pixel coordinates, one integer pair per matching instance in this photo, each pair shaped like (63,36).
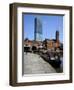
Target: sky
(50,24)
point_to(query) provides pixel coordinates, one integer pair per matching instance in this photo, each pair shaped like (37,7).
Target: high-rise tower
(57,39)
(38,30)
(57,36)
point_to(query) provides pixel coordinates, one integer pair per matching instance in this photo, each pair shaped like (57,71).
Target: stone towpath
(34,64)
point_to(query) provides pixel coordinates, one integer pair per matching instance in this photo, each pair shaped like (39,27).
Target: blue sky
(50,23)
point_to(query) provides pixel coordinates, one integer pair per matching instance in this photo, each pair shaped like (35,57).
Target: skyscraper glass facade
(38,30)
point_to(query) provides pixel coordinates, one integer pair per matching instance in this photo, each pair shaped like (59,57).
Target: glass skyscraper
(38,30)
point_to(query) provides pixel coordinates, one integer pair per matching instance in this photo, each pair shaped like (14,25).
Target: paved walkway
(34,64)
